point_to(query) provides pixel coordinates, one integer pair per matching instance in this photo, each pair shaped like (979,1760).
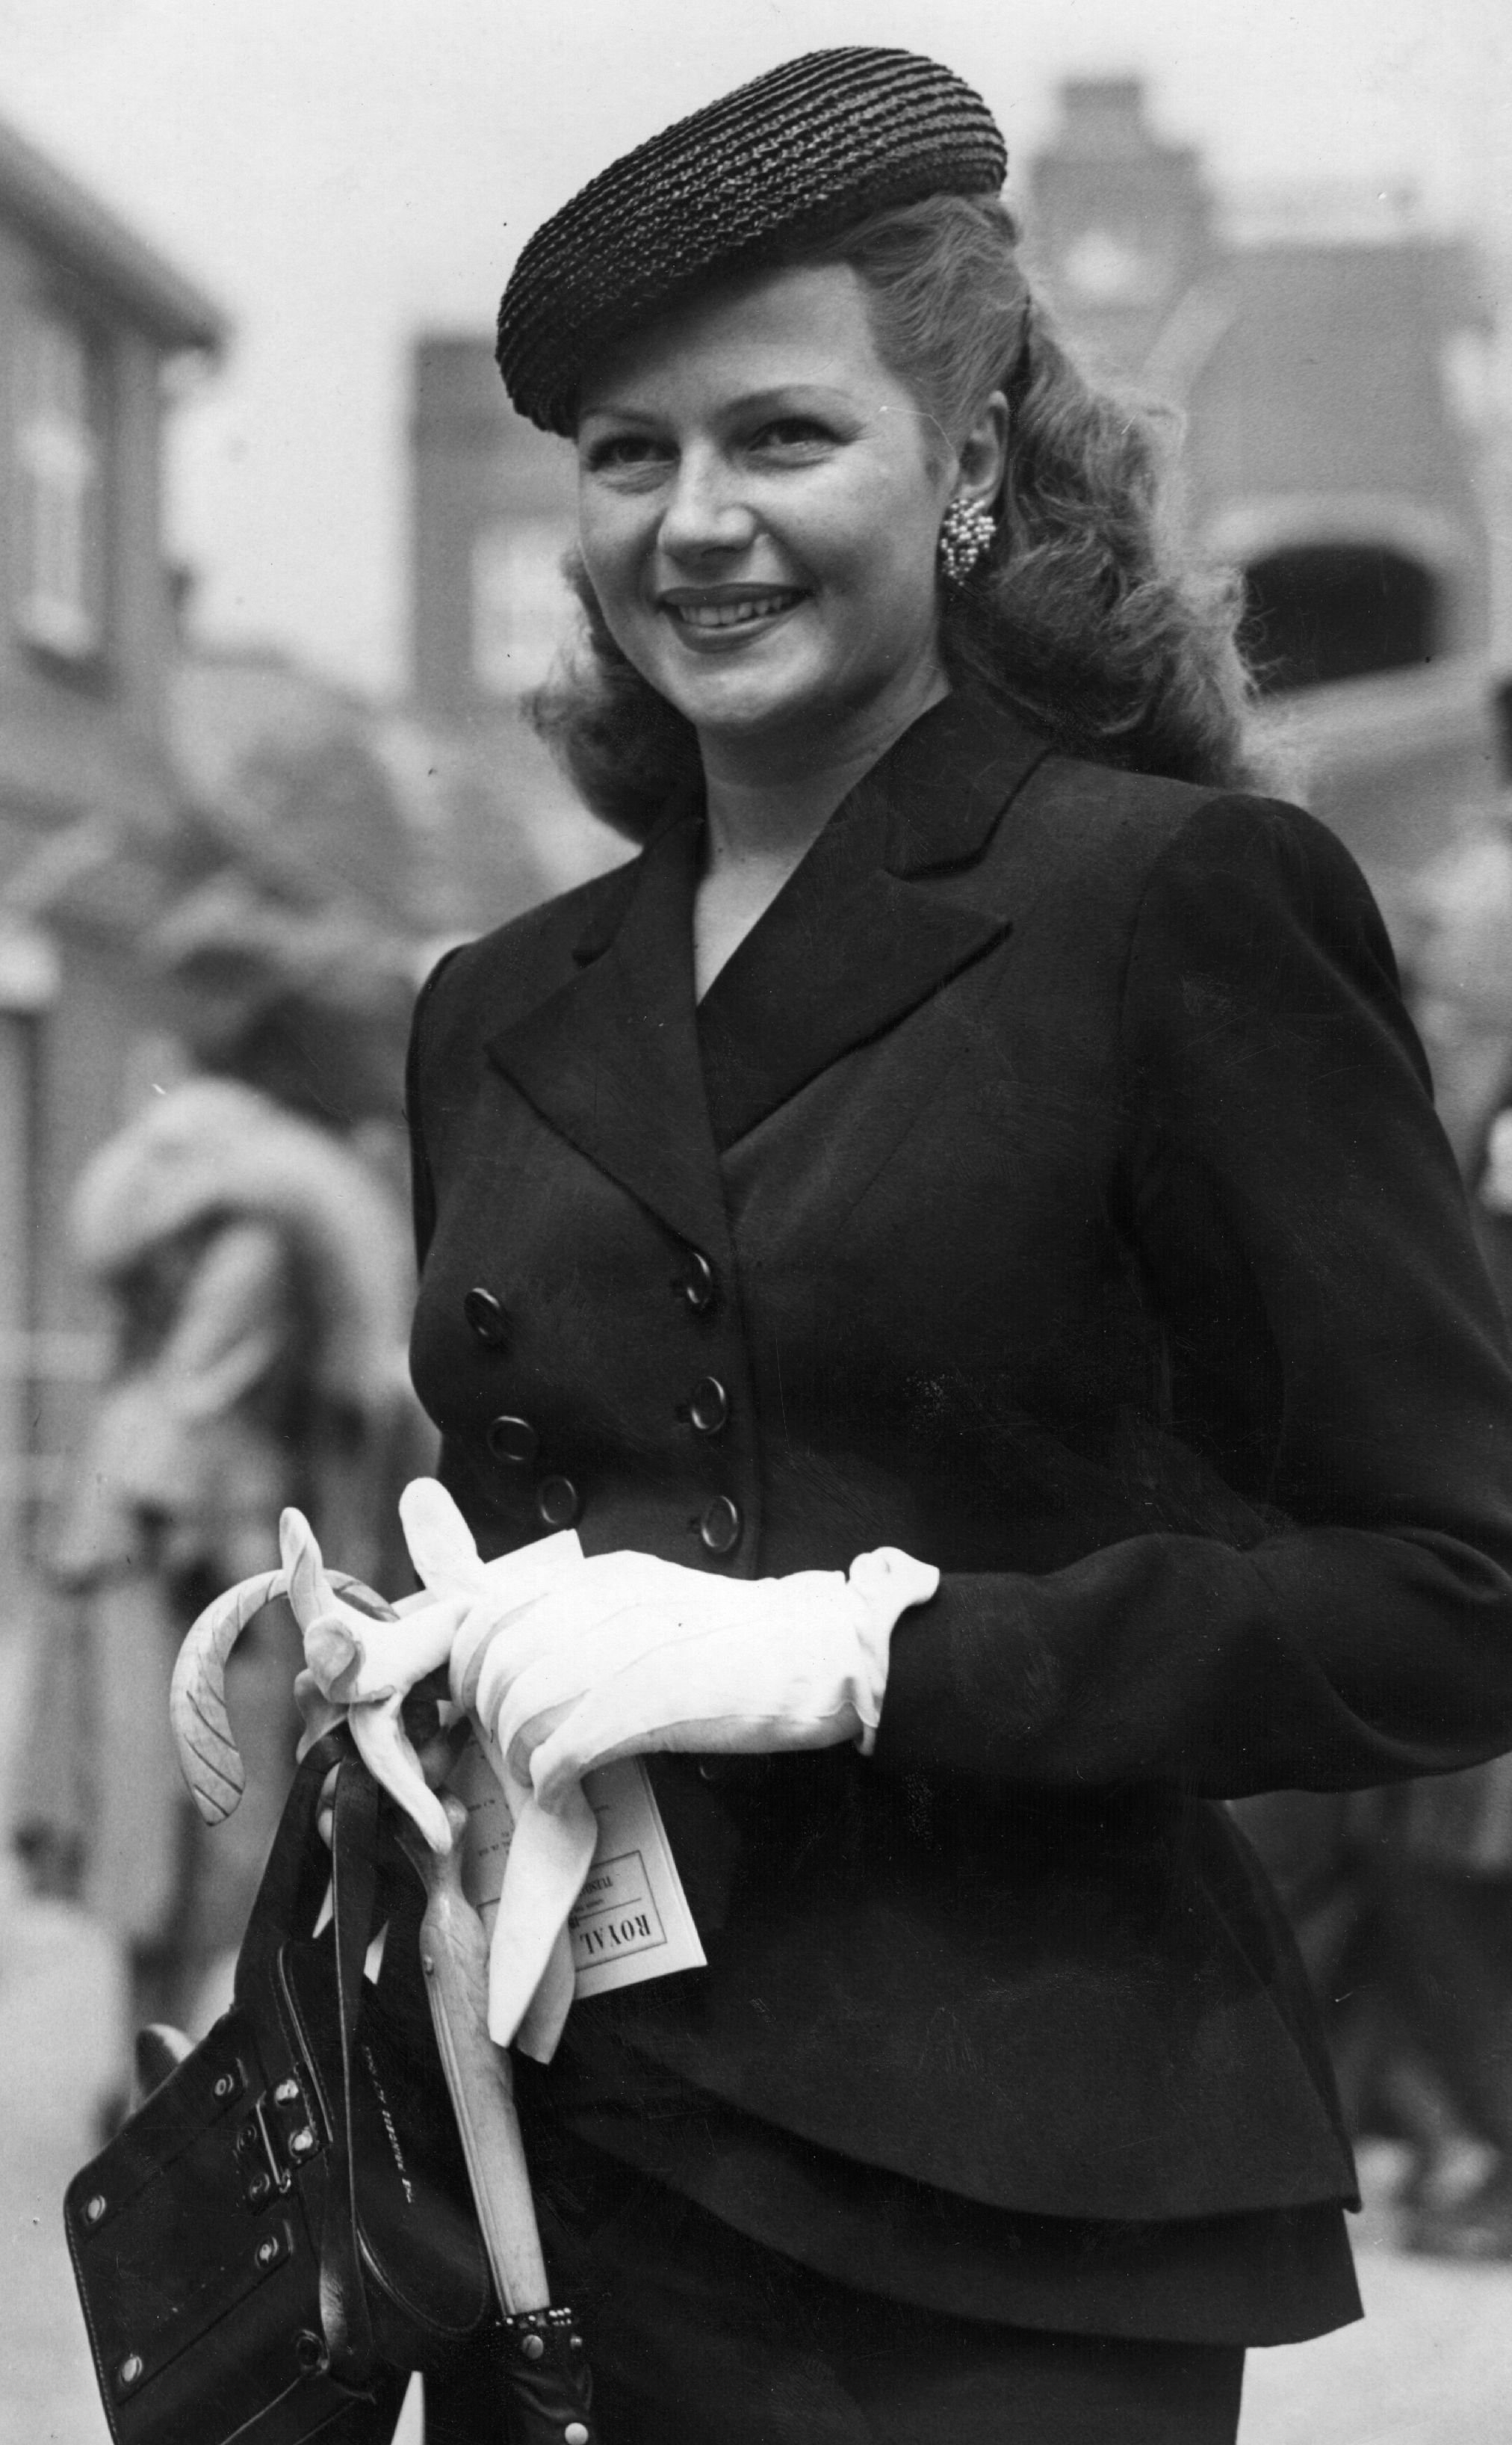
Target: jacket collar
(859,936)
(945,783)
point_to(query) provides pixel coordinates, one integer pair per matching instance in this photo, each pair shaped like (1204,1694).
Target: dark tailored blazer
(1056,1195)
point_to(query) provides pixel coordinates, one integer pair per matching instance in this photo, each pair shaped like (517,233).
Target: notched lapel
(947,782)
(842,968)
(611,1058)
(868,926)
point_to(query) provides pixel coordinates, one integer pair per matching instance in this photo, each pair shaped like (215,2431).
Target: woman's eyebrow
(617,415)
(786,394)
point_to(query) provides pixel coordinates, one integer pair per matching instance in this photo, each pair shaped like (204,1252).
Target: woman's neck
(758,823)
(769,800)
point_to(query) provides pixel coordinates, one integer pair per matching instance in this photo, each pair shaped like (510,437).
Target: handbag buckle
(279,2139)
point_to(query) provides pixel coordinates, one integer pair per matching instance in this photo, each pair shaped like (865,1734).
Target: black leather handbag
(284,2229)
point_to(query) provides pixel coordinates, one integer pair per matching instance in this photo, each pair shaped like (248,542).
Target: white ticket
(631,1920)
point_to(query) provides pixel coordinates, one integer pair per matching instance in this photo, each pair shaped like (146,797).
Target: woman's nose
(705,511)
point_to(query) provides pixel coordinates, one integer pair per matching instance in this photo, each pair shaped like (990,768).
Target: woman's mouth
(708,613)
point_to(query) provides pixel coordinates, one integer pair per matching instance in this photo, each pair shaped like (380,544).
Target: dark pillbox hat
(805,150)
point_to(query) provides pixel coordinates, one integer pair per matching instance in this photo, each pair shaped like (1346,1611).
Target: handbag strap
(296,1873)
(343,2311)
(287,1898)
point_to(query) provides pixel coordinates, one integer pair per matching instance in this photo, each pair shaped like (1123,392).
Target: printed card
(631,1920)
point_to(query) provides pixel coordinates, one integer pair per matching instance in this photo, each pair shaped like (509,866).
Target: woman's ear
(985,454)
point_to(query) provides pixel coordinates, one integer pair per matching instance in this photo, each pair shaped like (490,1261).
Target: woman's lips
(712,615)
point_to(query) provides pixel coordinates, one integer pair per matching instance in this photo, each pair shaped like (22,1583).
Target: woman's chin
(735,704)
(762,699)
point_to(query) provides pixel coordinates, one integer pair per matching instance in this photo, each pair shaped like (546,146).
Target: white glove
(531,1975)
(628,1654)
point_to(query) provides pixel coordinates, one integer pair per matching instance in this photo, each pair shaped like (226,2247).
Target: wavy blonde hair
(1085,615)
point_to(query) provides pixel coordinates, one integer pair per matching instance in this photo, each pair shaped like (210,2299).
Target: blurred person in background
(247,1232)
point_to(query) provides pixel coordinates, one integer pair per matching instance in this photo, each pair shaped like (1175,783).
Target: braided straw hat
(805,150)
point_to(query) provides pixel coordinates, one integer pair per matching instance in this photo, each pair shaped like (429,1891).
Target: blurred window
(522,610)
(60,462)
(1321,612)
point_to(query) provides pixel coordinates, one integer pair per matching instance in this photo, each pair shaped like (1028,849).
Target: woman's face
(760,504)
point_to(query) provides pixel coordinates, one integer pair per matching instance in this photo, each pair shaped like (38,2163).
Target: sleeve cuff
(886,1583)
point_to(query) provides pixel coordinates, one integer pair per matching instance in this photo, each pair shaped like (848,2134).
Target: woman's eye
(793,433)
(626,452)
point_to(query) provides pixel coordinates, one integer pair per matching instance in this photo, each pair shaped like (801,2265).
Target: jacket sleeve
(1299,1217)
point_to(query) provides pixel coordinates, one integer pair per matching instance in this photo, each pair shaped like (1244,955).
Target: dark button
(557,1501)
(486,1315)
(720,1528)
(710,1405)
(696,1281)
(513,1439)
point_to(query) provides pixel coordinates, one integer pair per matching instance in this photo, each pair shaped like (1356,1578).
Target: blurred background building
(493,515)
(94,327)
(1331,364)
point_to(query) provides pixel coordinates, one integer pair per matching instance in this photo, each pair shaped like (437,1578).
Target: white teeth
(731,615)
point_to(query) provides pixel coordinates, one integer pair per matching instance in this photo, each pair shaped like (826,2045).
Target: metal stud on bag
(967,531)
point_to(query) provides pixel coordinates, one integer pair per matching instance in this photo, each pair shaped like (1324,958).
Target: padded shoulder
(485,983)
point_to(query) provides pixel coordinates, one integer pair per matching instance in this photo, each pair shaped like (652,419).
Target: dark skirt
(699,2334)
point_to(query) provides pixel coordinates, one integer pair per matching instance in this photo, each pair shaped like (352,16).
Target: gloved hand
(363,1668)
(531,1974)
(628,1654)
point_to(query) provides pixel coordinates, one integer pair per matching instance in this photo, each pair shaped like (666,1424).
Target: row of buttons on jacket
(488,1318)
(515,1443)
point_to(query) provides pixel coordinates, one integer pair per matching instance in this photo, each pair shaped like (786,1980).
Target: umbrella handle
(454,1954)
(548,2388)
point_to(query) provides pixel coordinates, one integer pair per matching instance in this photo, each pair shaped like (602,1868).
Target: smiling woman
(958,1227)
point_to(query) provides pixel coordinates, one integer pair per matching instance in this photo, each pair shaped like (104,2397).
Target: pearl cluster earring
(965,533)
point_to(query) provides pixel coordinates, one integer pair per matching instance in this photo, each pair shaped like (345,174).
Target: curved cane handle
(208,1756)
